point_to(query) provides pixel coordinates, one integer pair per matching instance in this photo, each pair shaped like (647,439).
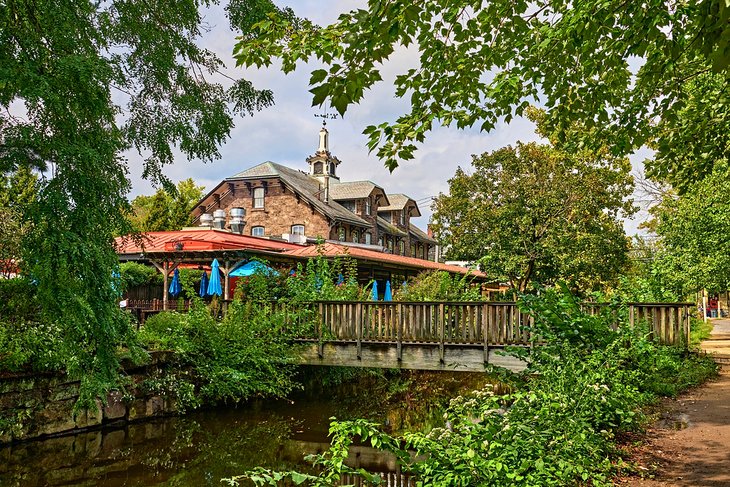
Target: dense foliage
(81,83)
(166,210)
(581,390)
(534,213)
(439,286)
(616,66)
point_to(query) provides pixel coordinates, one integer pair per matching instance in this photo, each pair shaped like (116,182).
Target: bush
(439,286)
(31,346)
(18,300)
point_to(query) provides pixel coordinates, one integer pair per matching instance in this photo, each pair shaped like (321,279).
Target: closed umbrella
(214,285)
(340,279)
(375,290)
(388,293)
(175,286)
(203,285)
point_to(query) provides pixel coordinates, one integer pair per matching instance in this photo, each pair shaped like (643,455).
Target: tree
(165,211)
(18,191)
(80,83)
(534,213)
(695,231)
(615,66)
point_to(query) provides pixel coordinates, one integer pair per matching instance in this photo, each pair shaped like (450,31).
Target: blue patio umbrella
(214,285)
(388,293)
(340,279)
(203,285)
(253,267)
(375,290)
(175,286)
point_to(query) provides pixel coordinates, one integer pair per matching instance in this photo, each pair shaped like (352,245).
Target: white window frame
(259,197)
(368,238)
(403,217)
(258,231)
(297,229)
(368,208)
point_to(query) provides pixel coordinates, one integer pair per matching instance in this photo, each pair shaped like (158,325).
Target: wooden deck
(459,336)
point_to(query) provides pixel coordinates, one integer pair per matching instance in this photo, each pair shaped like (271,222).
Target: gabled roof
(306,186)
(192,240)
(354,190)
(390,228)
(333,250)
(399,201)
(420,234)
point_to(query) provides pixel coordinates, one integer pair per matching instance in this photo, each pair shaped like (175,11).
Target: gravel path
(690,444)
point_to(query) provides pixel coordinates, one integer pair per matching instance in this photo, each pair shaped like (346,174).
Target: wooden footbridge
(460,336)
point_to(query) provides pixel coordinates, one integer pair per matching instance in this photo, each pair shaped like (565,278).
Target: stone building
(272,200)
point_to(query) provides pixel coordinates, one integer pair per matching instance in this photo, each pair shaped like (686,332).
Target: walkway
(719,341)
(690,444)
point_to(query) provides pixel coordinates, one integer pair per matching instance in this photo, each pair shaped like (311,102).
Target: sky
(287,133)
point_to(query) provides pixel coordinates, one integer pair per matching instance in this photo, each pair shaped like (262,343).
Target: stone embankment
(34,406)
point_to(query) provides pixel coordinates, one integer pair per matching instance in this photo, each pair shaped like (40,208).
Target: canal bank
(202,447)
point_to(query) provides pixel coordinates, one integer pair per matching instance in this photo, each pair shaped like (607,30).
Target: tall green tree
(613,65)
(536,214)
(695,231)
(165,211)
(80,83)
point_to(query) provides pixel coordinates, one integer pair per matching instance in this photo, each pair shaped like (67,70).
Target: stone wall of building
(281,210)
(33,406)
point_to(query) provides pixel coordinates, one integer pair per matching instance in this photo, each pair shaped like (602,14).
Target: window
(390,245)
(403,218)
(367,206)
(317,168)
(368,238)
(413,250)
(341,234)
(355,236)
(258,198)
(257,231)
(297,229)
(350,205)
(402,247)
(380,241)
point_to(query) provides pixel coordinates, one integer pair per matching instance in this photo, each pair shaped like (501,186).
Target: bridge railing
(488,323)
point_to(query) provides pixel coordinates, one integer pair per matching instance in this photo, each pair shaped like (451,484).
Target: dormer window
(367,206)
(393,217)
(350,205)
(403,218)
(258,198)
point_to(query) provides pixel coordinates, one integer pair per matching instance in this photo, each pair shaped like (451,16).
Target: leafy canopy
(616,66)
(165,210)
(80,83)
(536,213)
(695,231)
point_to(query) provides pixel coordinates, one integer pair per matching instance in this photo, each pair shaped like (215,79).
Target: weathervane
(326,116)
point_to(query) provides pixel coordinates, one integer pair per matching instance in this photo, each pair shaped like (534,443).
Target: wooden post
(319,323)
(484,324)
(441,329)
(399,324)
(358,329)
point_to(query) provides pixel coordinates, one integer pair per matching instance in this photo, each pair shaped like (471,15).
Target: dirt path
(690,444)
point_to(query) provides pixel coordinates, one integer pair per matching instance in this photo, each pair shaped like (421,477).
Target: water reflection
(197,450)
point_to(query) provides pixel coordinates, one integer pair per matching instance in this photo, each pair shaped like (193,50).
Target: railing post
(441,331)
(484,321)
(358,328)
(399,332)
(319,323)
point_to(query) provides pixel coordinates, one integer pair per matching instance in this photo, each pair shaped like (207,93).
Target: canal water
(202,448)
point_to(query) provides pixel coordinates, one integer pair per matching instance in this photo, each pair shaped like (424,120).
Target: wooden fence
(487,323)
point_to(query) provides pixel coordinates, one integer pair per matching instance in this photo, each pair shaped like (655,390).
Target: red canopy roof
(332,250)
(203,239)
